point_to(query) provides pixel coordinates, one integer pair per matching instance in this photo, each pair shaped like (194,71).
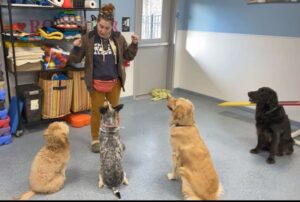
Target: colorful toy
(159,94)
(67,20)
(54,58)
(244,104)
(50,33)
(78,120)
(62,3)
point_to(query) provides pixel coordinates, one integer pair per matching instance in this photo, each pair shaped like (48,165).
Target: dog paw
(125,181)
(290,152)
(171,176)
(254,151)
(279,154)
(100,184)
(270,161)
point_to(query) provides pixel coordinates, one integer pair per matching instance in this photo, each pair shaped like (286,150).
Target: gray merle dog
(111,148)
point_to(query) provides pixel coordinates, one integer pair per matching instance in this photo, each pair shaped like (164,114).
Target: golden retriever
(192,162)
(47,174)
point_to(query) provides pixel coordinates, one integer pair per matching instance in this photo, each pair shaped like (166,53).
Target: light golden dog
(47,174)
(191,159)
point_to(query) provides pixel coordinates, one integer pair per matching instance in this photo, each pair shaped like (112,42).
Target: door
(154,62)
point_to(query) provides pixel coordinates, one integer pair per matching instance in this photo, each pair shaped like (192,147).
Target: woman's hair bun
(107,12)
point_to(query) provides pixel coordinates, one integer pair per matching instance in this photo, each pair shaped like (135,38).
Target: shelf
(69,68)
(33,6)
(65,29)
(7,39)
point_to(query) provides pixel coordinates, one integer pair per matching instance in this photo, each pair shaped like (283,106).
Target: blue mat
(12,112)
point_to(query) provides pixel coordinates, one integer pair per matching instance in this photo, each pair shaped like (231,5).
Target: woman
(104,51)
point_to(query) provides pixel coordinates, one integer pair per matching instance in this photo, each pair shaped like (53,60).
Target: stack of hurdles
(5,134)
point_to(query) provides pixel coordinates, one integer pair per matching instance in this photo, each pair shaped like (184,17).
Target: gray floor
(228,132)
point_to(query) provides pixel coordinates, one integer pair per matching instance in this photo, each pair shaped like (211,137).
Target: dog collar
(178,125)
(106,129)
(272,110)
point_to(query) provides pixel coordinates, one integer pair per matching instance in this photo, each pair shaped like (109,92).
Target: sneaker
(95,147)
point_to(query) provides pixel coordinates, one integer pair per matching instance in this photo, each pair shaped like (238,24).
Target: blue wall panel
(236,16)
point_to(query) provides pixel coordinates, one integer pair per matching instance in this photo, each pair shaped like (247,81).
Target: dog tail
(26,196)
(212,193)
(220,191)
(116,192)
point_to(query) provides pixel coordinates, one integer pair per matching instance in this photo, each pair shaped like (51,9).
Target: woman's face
(104,28)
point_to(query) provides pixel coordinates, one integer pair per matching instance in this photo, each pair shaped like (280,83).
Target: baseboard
(294,124)
(126,99)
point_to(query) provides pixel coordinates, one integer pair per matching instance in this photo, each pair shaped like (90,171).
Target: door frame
(171,43)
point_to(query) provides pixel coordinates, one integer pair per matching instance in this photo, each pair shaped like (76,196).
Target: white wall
(227,66)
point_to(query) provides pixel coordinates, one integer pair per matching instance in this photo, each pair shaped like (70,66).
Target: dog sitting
(272,124)
(111,171)
(47,174)
(191,159)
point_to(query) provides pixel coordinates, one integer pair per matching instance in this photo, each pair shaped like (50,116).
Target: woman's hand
(77,42)
(134,39)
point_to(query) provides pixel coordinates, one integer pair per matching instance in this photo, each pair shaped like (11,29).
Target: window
(152,19)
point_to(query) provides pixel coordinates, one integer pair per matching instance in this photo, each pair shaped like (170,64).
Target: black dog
(272,124)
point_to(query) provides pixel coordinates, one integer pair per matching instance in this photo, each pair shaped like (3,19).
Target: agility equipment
(283,103)
(244,104)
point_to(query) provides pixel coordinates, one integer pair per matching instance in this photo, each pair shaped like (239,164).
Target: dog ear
(119,107)
(178,113)
(103,110)
(171,103)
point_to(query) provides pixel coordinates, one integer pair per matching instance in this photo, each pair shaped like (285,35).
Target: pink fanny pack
(104,86)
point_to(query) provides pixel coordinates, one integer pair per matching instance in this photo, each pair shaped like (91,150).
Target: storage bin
(3,113)
(4,131)
(6,139)
(4,123)
(31,96)
(57,96)
(2,94)
(81,100)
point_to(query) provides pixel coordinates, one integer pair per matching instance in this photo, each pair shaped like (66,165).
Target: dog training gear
(159,94)
(78,120)
(104,86)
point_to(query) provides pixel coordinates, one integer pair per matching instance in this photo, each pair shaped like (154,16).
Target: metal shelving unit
(12,40)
